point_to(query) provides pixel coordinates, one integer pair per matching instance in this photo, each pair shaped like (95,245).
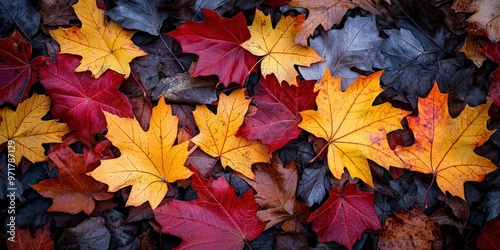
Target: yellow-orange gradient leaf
(445,146)
(278,47)
(27,131)
(354,129)
(217,134)
(102,43)
(148,161)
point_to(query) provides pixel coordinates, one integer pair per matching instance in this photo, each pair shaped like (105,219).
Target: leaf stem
(428,191)
(171,52)
(139,84)
(320,152)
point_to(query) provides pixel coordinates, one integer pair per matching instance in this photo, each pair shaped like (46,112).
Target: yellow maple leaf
(278,47)
(148,161)
(217,134)
(102,43)
(445,146)
(28,131)
(354,129)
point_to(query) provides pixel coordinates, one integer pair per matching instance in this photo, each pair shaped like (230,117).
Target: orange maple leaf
(444,147)
(354,129)
(102,44)
(278,47)
(148,161)
(217,134)
(73,191)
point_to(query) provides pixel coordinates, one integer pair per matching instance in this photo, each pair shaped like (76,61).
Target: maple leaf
(218,219)
(355,45)
(345,216)
(275,4)
(79,100)
(354,129)
(276,186)
(165,58)
(18,73)
(327,13)
(489,235)
(217,43)
(444,147)
(73,191)
(471,49)
(103,45)
(24,240)
(57,13)
(278,48)
(139,15)
(148,161)
(20,15)
(400,232)
(492,51)
(486,18)
(91,233)
(217,135)
(412,61)
(277,116)
(27,129)
(313,184)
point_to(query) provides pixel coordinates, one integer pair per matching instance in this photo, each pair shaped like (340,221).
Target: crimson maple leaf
(218,219)
(79,100)
(276,121)
(345,216)
(492,51)
(16,70)
(217,43)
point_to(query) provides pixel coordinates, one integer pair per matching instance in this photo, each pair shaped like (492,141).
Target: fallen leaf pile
(271,124)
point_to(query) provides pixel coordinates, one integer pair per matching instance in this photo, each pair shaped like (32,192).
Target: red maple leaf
(217,43)
(275,122)
(41,239)
(492,51)
(345,216)
(218,219)
(73,190)
(79,100)
(16,71)
(489,237)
